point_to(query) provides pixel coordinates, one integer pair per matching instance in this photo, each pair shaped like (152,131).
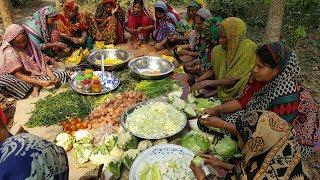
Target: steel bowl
(111,53)
(124,115)
(150,67)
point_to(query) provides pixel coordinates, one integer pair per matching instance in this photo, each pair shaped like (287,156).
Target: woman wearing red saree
(139,21)
(71,25)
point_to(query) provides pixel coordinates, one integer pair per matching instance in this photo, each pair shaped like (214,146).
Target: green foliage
(301,32)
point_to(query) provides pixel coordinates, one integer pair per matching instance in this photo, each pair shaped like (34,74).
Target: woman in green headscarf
(232,61)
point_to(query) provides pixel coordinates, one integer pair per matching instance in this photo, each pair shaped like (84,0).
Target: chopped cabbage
(198,160)
(196,142)
(191,98)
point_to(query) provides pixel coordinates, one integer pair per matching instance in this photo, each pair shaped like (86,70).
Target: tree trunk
(6,15)
(275,19)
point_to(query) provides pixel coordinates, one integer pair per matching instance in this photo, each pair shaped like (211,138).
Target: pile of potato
(109,113)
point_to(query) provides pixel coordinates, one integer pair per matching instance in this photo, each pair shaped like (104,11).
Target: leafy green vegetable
(174,94)
(196,142)
(189,110)
(114,167)
(156,88)
(128,82)
(126,141)
(225,148)
(191,98)
(129,156)
(197,160)
(202,104)
(58,107)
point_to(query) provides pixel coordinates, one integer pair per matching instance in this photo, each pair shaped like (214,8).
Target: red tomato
(79,125)
(68,127)
(73,127)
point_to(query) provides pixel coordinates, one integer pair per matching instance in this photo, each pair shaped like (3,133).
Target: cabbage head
(225,148)
(196,142)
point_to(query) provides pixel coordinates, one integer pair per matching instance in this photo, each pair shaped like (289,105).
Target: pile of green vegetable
(58,107)
(192,106)
(156,88)
(127,80)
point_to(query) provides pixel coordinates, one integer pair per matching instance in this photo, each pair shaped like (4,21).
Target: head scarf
(26,156)
(234,62)
(10,59)
(37,28)
(197,4)
(168,10)
(235,30)
(204,13)
(270,148)
(64,23)
(113,2)
(70,5)
(211,25)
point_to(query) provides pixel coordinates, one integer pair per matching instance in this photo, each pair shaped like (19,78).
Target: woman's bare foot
(35,91)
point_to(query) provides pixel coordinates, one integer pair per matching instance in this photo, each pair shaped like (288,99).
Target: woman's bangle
(224,125)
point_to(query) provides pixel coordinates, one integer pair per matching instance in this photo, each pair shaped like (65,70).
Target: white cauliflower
(160,141)
(83,136)
(65,140)
(110,141)
(126,141)
(116,152)
(83,152)
(143,145)
(129,156)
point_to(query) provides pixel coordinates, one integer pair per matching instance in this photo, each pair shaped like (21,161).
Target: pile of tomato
(74,124)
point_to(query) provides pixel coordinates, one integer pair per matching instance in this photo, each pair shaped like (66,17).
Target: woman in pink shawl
(23,67)
(139,21)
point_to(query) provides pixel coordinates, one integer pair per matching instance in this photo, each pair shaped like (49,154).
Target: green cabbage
(179,103)
(196,142)
(202,104)
(225,148)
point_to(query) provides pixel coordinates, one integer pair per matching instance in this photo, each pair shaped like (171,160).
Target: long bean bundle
(57,108)
(155,88)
